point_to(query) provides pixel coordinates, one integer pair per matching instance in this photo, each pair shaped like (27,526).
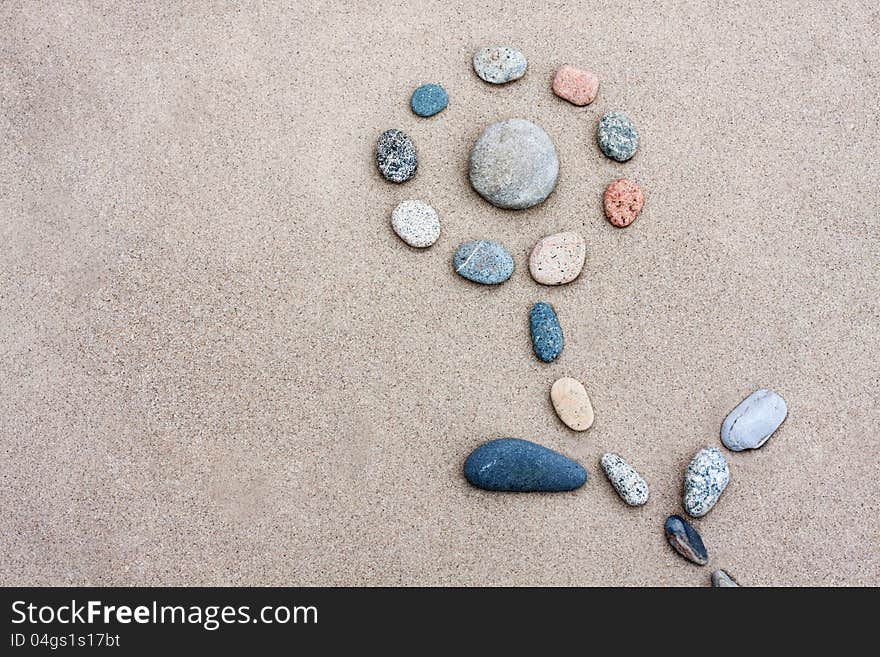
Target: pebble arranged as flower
(513,165)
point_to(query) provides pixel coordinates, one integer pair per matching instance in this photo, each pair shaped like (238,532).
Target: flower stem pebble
(705,479)
(546,332)
(520,466)
(686,540)
(626,481)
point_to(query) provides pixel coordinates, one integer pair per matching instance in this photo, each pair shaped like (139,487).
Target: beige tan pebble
(572,404)
(558,259)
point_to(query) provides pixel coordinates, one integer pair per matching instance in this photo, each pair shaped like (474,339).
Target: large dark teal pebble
(520,466)
(396,156)
(483,261)
(685,540)
(546,332)
(428,100)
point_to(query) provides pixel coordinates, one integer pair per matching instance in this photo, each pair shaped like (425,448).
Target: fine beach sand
(220,365)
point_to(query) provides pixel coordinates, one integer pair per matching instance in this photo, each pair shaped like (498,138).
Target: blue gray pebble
(483,261)
(520,466)
(705,479)
(546,332)
(617,136)
(686,540)
(396,156)
(753,421)
(429,99)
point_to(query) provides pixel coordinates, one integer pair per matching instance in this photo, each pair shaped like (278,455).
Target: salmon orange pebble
(622,202)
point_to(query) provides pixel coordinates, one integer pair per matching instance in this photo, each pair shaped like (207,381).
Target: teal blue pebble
(520,466)
(546,332)
(429,99)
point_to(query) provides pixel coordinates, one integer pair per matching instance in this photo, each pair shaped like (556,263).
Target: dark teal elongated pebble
(685,540)
(483,261)
(428,100)
(519,466)
(546,332)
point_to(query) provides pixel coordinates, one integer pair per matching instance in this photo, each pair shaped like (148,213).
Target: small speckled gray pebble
(519,466)
(617,136)
(721,579)
(705,479)
(499,64)
(546,332)
(416,223)
(753,421)
(428,100)
(626,481)
(513,164)
(396,156)
(483,261)
(686,540)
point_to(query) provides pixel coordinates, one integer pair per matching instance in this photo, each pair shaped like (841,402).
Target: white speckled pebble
(499,64)
(626,481)
(705,479)
(558,259)
(572,403)
(416,223)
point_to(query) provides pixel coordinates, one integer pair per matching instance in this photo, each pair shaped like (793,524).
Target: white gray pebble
(416,223)
(499,64)
(705,479)
(626,481)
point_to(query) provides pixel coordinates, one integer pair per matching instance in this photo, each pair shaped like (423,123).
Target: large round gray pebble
(513,164)
(499,64)
(396,156)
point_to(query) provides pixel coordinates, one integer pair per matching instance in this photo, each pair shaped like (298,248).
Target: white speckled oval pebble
(572,403)
(416,223)
(706,478)
(558,259)
(499,64)
(626,481)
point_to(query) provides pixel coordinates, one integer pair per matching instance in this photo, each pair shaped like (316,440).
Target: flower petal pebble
(575,85)
(428,100)
(622,202)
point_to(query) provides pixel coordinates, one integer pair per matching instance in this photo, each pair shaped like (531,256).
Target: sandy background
(220,366)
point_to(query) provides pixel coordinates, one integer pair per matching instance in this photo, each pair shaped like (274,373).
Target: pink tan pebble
(622,202)
(575,85)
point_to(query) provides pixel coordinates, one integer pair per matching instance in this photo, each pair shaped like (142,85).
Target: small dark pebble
(396,156)
(685,540)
